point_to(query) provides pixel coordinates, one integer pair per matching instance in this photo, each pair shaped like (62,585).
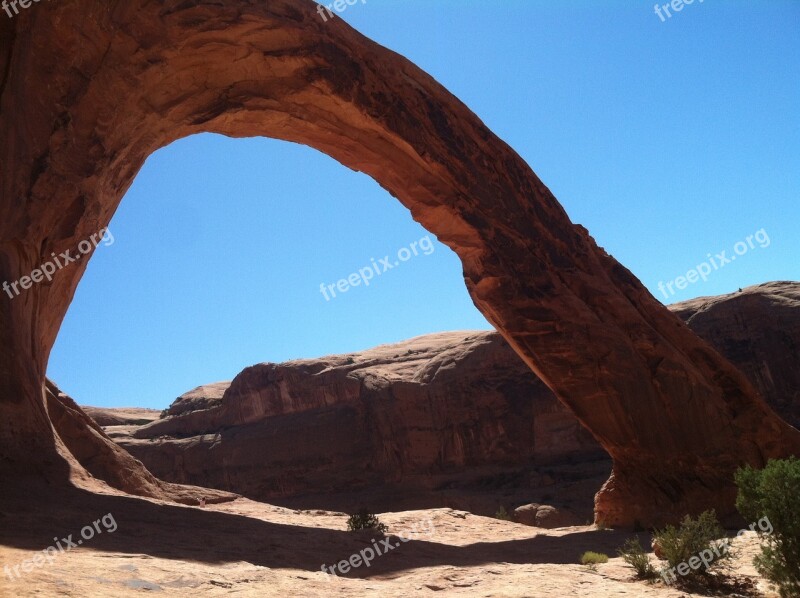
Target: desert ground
(247,548)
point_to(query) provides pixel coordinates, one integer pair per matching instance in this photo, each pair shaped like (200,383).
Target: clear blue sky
(667,140)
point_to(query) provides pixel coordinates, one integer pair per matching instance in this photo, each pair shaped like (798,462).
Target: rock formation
(544,516)
(758,330)
(409,413)
(103,460)
(89,89)
(424,413)
(202,397)
(121,416)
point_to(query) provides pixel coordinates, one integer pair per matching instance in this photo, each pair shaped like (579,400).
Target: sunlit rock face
(100,463)
(758,329)
(414,413)
(91,88)
(425,413)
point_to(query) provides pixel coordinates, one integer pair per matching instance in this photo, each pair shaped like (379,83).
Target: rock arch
(91,87)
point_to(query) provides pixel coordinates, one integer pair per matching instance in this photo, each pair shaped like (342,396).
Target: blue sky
(668,140)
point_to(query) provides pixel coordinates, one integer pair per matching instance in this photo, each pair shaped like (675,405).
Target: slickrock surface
(121,416)
(89,89)
(246,548)
(202,397)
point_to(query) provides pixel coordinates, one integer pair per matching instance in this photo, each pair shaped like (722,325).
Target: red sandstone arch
(91,87)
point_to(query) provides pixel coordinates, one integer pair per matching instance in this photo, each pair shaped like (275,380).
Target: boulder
(545,516)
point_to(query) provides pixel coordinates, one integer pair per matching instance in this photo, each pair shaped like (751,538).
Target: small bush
(772,495)
(593,558)
(633,554)
(365,520)
(692,537)
(502,514)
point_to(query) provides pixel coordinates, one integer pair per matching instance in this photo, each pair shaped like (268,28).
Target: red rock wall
(758,329)
(440,404)
(425,412)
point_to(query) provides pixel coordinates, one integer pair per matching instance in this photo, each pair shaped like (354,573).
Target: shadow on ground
(30,521)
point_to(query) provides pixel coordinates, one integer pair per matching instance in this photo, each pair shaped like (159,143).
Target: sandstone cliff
(416,411)
(758,330)
(435,405)
(104,464)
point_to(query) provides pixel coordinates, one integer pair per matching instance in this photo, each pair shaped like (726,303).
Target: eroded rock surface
(202,397)
(408,413)
(675,416)
(100,459)
(250,549)
(758,329)
(424,411)
(121,416)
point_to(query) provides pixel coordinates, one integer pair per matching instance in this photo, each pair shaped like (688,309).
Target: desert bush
(633,554)
(365,520)
(593,558)
(502,514)
(690,538)
(772,495)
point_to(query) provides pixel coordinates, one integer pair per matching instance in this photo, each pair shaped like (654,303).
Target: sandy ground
(246,548)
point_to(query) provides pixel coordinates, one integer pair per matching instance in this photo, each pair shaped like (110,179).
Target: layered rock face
(121,416)
(100,461)
(676,417)
(409,412)
(202,397)
(758,329)
(404,412)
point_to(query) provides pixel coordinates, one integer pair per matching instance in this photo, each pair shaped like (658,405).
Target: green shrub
(633,554)
(365,520)
(502,514)
(772,496)
(593,558)
(693,536)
